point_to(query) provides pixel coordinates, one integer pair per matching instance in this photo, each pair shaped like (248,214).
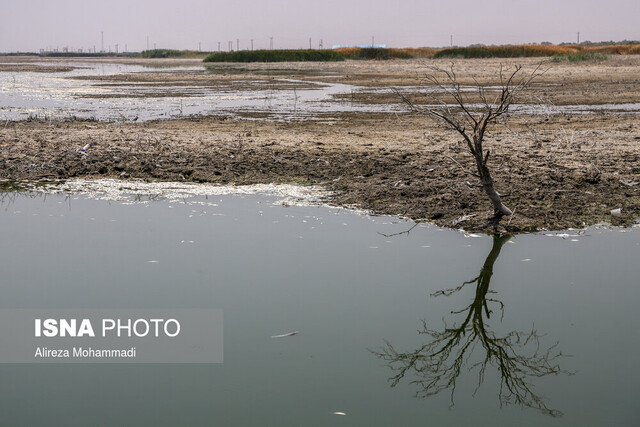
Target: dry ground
(558,171)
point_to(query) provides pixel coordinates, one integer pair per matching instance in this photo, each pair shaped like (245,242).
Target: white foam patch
(143,192)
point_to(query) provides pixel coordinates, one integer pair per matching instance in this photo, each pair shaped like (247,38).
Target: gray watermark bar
(111,336)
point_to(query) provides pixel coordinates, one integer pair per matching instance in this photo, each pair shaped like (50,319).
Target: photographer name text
(84,353)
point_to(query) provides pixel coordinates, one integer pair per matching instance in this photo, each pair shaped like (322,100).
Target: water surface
(350,286)
(71,94)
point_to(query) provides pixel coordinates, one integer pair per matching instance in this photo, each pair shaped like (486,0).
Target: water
(346,283)
(63,95)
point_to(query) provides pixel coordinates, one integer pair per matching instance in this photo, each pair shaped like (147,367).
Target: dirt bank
(573,171)
(557,170)
(32,68)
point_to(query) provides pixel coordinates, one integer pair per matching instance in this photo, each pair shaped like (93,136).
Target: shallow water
(59,95)
(347,284)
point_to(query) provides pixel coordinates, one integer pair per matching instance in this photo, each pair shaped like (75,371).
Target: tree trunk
(487,185)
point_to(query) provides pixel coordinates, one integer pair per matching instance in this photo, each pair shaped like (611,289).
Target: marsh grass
(374,53)
(571,53)
(559,53)
(619,49)
(341,54)
(281,55)
(170,53)
(508,51)
(580,57)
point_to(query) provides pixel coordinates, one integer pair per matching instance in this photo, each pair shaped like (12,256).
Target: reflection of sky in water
(327,273)
(46,94)
(25,94)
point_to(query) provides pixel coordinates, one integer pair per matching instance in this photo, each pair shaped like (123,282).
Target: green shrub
(375,53)
(168,53)
(282,55)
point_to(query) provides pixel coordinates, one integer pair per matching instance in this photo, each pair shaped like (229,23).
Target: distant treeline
(582,52)
(373,53)
(571,52)
(280,55)
(318,55)
(85,54)
(170,53)
(520,51)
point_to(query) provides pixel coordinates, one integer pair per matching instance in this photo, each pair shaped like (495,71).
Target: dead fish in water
(462,219)
(338,413)
(290,334)
(565,235)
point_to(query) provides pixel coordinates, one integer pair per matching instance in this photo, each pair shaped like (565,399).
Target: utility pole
(310,43)
(451,41)
(271,42)
(218,46)
(102,41)
(230,46)
(199,46)
(578,37)
(251,44)
(372,41)
(320,45)
(125,48)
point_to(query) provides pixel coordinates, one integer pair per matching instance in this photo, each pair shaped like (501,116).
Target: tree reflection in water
(518,355)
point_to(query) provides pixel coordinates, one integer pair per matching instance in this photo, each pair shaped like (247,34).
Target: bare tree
(471,119)
(518,355)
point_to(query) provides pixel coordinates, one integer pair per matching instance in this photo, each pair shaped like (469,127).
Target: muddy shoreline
(557,171)
(573,175)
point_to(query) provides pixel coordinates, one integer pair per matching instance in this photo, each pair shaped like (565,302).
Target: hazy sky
(29,25)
